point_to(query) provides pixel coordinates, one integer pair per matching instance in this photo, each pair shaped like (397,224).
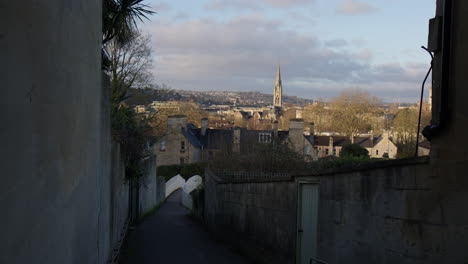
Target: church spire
(278,75)
(278,91)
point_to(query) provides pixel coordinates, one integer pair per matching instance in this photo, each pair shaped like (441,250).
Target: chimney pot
(204,126)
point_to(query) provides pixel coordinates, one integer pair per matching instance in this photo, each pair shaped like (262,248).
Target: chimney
(236,135)
(296,134)
(312,128)
(352,139)
(330,142)
(298,113)
(371,138)
(385,135)
(204,126)
(175,123)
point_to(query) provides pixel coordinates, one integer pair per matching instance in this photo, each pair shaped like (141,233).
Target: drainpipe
(444,53)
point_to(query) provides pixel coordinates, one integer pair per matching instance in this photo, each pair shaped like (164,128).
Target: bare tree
(405,127)
(352,111)
(319,114)
(130,65)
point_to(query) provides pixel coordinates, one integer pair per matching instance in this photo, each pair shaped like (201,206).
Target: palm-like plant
(119,22)
(120,19)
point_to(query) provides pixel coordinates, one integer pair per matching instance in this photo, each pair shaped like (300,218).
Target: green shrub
(168,171)
(189,170)
(354,150)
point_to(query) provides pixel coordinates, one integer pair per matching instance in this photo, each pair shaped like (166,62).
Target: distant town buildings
(186,143)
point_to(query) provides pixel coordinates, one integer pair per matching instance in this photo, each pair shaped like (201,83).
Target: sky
(323,46)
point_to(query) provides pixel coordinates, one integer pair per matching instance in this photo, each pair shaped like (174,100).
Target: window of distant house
(264,137)
(334,151)
(376,152)
(162,146)
(326,151)
(307,149)
(182,146)
(182,161)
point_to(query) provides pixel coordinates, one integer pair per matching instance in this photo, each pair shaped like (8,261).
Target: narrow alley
(171,236)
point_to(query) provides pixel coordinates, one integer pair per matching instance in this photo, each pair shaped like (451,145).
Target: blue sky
(324,46)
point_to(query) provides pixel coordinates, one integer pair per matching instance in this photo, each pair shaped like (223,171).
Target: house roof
(213,139)
(340,141)
(222,138)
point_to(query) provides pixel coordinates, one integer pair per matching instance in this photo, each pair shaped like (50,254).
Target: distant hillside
(146,96)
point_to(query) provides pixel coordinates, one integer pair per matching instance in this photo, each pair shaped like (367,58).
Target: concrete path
(171,236)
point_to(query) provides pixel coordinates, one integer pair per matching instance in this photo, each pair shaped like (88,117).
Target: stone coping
(364,167)
(324,172)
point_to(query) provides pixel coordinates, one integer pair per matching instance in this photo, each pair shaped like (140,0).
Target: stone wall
(118,203)
(397,213)
(55,155)
(257,217)
(386,212)
(63,194)
(148,186)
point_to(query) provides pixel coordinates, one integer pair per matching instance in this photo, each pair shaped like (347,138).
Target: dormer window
(264,137)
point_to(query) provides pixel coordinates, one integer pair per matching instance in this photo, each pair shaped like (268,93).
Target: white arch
(173,184)
(191,184)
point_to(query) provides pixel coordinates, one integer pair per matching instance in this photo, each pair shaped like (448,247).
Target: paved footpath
(171,236)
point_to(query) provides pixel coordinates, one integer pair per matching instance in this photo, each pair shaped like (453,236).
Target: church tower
(278,91)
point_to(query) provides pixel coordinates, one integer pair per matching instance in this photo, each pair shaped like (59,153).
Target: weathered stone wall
(160,188)
(257,217)
(148,196)
(118,203)
(55,155)
(63,194)
(393,214)
(387,212)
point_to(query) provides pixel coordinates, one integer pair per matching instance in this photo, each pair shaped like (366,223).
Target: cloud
(336,43)
(218,5)
(160,7)
(286,3)
(241,54)
(353,7)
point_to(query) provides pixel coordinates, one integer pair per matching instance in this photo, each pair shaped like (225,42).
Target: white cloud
(160,7)
(242,54)
(254,5)
(353,7)
(336,43)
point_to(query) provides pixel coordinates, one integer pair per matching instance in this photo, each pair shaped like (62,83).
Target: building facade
(186,143)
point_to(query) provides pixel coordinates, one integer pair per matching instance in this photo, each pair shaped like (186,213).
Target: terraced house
(186,143)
